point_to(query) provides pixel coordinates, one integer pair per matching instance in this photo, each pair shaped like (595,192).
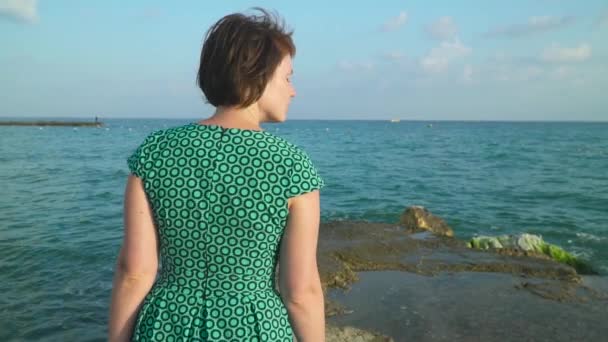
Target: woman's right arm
(299,280)
(137,262)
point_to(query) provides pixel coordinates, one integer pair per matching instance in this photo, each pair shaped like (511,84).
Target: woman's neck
(234,117)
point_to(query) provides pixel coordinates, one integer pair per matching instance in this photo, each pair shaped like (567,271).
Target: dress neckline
(231,129)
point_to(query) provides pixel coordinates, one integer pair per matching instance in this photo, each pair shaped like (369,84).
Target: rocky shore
(413,281)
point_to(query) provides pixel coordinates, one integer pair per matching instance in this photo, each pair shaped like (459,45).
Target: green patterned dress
(219,199)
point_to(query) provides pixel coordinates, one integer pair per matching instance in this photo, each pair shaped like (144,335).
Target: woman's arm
(299,280)
(137,262)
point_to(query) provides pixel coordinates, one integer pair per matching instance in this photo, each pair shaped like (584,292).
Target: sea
(61,197)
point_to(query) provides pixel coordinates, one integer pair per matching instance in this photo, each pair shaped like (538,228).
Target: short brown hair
(240,55)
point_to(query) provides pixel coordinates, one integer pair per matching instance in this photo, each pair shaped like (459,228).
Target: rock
(379,279)
(346,248)
(417,218)
(351,334)
(476,306)
(533,245)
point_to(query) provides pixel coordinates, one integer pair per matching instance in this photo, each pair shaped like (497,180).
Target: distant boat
(429,125)
(395,120)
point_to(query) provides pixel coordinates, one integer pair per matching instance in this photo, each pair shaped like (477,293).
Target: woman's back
(219,201)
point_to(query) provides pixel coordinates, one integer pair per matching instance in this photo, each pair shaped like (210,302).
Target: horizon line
(337,119)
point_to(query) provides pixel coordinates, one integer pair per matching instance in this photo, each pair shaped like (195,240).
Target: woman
(220,203)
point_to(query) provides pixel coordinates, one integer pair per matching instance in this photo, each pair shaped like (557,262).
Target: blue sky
(438,60)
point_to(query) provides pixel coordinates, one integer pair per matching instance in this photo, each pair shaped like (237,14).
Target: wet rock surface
(426,287)
(351,334)
(346,248)
(471,306)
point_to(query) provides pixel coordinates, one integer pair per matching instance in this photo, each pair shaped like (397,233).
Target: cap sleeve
(140,160)
(304,176)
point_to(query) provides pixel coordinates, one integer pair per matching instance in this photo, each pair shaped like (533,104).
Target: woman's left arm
(137,262)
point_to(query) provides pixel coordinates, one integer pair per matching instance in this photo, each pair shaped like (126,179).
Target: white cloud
(515,73)
(562,72)
(395,55)
(530,73)
(439,58)
(395,23)
(20,10)
(556,53)
(152,12)
(443,29)
(507,68)
(350,65)
(602,20)
(534,25)
(467,73)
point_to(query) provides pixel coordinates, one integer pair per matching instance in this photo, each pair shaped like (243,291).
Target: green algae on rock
(530,243)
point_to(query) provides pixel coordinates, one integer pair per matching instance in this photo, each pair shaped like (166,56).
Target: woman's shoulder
(151,138)
(158,135)
(285,146)
(288,145)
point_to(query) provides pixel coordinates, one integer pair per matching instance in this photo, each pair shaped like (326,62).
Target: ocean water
(62,187)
